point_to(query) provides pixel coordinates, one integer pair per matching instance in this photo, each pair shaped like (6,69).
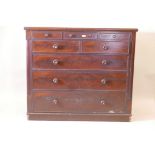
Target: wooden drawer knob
(103,81)
(55,46)
(46,34)
(55,61)
(54,101)
(51,100)
(104,62)
(102,101)
(55,80)
(114,35)
(70,35)
(105,47)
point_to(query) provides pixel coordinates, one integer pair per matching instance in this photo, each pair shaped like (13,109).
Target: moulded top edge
(78,29)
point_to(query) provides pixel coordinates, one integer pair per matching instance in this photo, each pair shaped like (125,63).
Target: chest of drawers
(80,73)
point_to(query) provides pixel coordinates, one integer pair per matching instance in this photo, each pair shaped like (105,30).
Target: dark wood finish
(105,46)
(79,80)
(80,73)
(80,35)
(79,102)
(80,61)
(55,46)
(79,117)
(114,30)
(114,36)
(46,35)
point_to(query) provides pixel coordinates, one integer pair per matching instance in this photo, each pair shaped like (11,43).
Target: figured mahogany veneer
(80,73)
(80,61)
(55,46)
(79,102)
(46,35)
(79,80)
(105,47)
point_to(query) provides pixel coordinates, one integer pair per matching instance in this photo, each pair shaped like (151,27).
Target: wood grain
(63,46)
(79,102)
(80,61)
(79,80)
(91,77)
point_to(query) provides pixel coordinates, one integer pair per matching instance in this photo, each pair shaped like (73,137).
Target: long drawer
(69,79)
(79,61)
(78,101)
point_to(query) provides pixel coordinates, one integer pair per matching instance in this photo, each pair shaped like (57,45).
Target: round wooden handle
(55,80)
(54,101)
(55,46)
(102,101)
(70,35)
(103,81)
(105,47)
(104,62)
(55,61)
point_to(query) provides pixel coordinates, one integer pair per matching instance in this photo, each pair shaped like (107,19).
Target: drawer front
(77,101)
(46,35)
(55,46)
(81,61)
(80,35)
(114,36)
(60,79)
(105,47)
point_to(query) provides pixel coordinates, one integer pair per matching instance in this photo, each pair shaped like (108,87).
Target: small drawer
(79,101)
(46,35)
(80,35)
(114,36)
(79,61)
(105,46)
(55,46)
(69,79)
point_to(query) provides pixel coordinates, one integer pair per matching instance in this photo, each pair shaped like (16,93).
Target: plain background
(19,136)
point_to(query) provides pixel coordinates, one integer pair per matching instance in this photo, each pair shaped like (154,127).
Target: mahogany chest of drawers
(80,73)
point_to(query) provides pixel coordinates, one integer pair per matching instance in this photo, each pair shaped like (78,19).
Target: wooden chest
(80,73)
